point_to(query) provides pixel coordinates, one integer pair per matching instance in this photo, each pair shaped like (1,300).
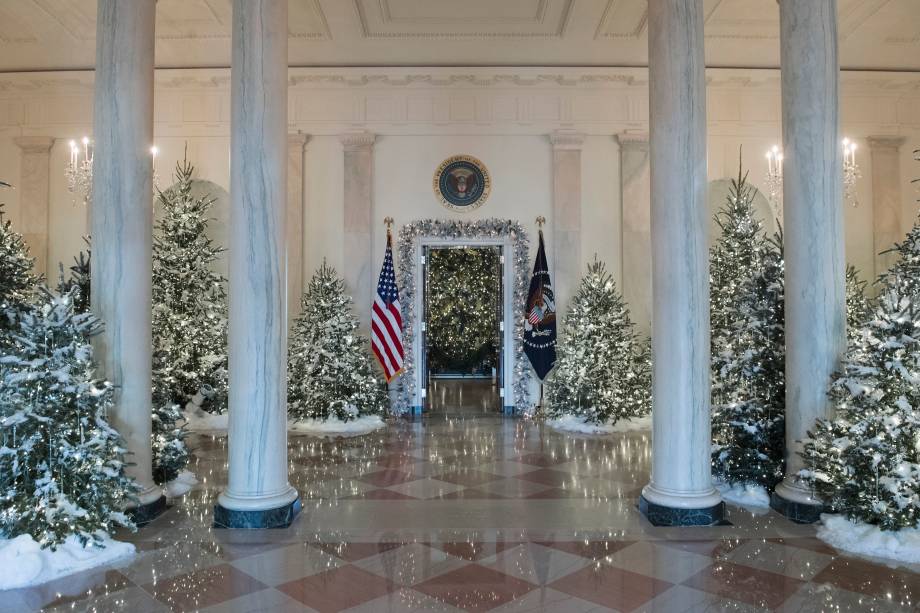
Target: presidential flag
(540,317)
(386,320)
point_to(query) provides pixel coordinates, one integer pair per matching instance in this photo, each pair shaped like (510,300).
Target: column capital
(885,142)
(633,140)
(34,144)
(298,139)
(567,140)
(356,141)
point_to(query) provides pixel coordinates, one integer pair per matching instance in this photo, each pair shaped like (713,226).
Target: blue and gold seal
(462,183)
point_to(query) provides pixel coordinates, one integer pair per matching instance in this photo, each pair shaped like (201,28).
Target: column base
(146,512)
(659,515)
(799,512)
(279,517)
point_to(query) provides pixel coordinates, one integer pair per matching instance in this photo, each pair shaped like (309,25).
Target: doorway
(462,331)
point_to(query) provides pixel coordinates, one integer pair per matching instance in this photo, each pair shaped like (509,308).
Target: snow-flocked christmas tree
(189,320)
(78,281)
(906,271)
(603,370)
(16,278)
(859,305)
(189,298)
(330,371)
(865,463)
(61,463)
(748,345)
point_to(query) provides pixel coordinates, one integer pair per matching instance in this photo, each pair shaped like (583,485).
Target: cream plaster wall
(421,116)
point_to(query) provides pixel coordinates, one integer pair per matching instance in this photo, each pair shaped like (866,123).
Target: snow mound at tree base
(747,495)
(23,562)
(202,421)
(856,537)
(336,427)
(575,423)
(181,485)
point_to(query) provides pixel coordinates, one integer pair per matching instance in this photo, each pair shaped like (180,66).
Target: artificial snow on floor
(197,420)
(181,485)
(856,537)
(23,562)
(573,423)
(336,427)
(750,496)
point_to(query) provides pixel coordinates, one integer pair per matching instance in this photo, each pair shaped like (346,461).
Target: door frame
(417,400)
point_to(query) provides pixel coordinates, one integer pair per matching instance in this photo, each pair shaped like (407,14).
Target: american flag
(386,321)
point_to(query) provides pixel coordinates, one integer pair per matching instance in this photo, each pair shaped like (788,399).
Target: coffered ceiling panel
(469,19)
(59,34)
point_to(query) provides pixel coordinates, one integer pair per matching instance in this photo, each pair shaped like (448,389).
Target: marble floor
(471,512)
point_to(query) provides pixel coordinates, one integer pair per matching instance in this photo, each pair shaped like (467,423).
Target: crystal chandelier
(774,181)
(80,171)
(851,172)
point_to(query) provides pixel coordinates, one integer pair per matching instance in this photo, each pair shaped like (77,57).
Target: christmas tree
(61,463)
(462,312)
(906,271)
(859,306)
(603,371)
(189,299)
(330,371)
(865,463)
(748,345)
(16,278)
(78,280)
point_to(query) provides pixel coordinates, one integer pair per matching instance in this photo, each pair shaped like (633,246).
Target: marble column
(886,198)
(566,221)
(121,222)
(680,490)
(294,224)
(258,494)
(35,197)
(635,199)
(814,245)
(358,208)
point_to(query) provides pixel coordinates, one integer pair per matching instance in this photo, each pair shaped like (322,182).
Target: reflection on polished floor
(471,513)
(459,397)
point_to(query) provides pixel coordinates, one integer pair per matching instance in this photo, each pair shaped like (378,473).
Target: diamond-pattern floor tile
(337,589)
(750,585)
(542,459)
(388,477)
(611,587)
(287,563)
(790,561)
(593,550)
(204,588)
(475,588)
(354,551)
(411,564)
(473,550)
(662,563)
(866,578)
(548,477)
(535,563)
(467,477)
(426,489)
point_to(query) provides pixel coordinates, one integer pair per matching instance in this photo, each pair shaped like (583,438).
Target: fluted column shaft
(680,491)
(814,246)
(121,220)
(566,222)
(357,211)
(258,493)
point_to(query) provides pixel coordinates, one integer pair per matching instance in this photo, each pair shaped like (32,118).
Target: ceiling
(58,34)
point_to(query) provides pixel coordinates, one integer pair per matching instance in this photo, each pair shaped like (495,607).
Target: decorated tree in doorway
(78,281)
(330,371)
(61,463)
(906,271)
(603,370)
(865,462)
(748,346)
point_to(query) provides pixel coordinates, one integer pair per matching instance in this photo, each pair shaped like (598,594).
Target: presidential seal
(462,183)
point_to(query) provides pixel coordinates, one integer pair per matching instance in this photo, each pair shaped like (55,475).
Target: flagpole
(540,412)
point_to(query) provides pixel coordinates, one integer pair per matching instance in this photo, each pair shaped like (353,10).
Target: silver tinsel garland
(408,249)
